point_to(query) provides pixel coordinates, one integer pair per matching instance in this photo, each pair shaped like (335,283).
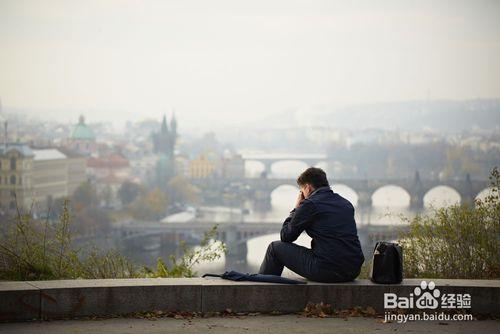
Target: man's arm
(298,220)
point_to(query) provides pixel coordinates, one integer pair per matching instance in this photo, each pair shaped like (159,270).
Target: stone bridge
(269,159)
(416,188)
(234,235)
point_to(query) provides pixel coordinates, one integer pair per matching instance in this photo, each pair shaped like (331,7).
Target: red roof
(112,179)
(111,161)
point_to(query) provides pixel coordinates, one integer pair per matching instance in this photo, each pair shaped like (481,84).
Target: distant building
(16,168)
(109,172)
(201,167)
(164,145)
(82,139)
(143,169)
(164,141)
(164,170)
(77,169)
(109,187)
(182,165)
(39,175)
(113,164)
(50,175)
(233,166)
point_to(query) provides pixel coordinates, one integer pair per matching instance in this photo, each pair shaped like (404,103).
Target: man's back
(335,254)
(328,219)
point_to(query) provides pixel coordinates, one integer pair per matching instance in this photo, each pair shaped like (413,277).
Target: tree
(38,250)
(128,192)
(89,218)
(151,206)
(209,250)
(180,190)
(91,221)
(84,196)
(459,241)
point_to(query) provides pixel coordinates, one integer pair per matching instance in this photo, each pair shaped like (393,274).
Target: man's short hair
(314,176)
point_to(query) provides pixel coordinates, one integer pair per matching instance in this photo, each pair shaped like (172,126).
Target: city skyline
(231,63)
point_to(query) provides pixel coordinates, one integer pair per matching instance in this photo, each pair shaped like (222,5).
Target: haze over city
(227,62)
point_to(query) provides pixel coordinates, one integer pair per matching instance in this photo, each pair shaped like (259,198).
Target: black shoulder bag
(387,263)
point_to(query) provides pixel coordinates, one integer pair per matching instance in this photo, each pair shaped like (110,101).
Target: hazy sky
(220,61)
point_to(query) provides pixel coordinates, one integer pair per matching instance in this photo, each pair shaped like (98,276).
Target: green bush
(207,251)
(36,250)
(458,241)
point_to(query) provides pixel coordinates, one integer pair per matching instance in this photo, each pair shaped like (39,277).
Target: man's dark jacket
(328,219)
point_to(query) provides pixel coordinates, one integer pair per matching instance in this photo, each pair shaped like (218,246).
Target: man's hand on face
(300,198)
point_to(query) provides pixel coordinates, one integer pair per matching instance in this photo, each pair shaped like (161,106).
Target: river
(389,203)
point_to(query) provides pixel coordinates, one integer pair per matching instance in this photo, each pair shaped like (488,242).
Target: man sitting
(328,218)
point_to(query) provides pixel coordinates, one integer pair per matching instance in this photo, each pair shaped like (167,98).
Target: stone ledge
(76,298)
(19,301)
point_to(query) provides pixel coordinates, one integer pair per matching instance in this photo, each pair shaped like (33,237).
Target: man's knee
(275,247)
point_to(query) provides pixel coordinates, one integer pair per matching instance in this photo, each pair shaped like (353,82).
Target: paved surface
(249,324)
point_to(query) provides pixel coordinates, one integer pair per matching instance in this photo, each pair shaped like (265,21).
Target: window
(13,163)
(13,179)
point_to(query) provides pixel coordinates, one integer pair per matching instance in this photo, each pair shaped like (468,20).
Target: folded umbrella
(237,276)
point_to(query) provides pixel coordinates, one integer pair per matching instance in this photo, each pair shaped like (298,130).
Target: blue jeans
(300,260)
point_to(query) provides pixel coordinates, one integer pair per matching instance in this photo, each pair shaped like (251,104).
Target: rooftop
(22,148)
(48,154)
(114,160)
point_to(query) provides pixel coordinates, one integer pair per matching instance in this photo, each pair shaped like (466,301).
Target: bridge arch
(483,193)
(254,168)
(284,196)
(347,192)
(322,164)
(440,196)
(257,246)
(391,196)
(289,168)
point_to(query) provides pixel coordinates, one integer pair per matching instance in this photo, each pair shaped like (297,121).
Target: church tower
(173,132)
(164,146)
(164,140)
(164,125)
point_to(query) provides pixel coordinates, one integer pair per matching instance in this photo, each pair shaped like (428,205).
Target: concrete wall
(74,298)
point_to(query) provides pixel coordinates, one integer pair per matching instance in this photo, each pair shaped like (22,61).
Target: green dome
(82,131)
